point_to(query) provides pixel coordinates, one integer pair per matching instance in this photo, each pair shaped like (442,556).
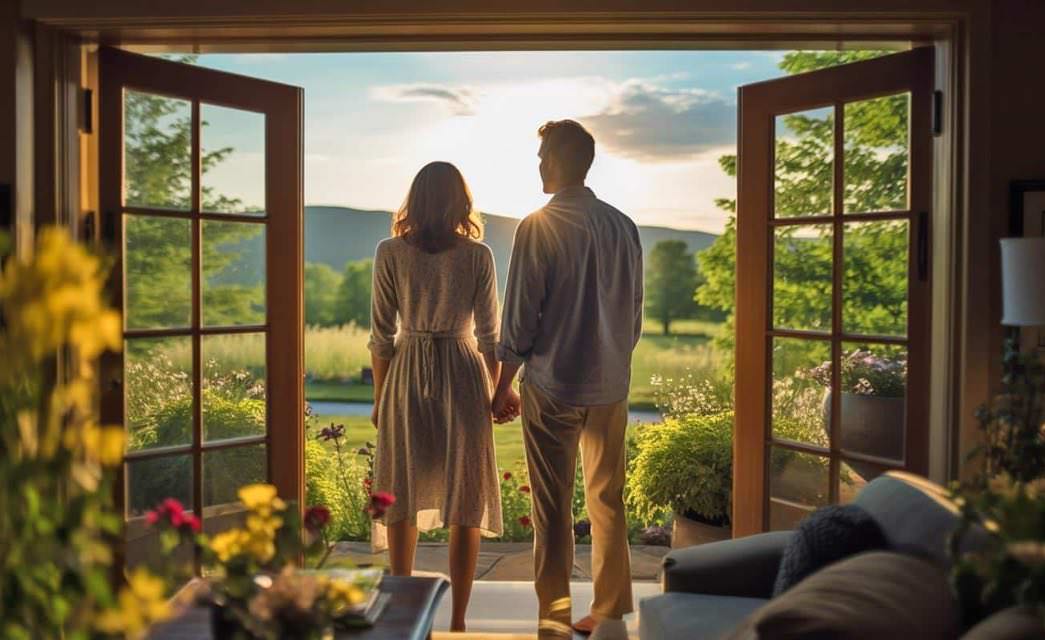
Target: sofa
(710,589)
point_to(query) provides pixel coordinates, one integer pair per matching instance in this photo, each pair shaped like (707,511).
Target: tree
(875,165)
(322,289)
(158,252)
(353,304)
(671,278)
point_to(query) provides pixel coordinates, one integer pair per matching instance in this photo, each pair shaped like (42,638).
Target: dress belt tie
(427,339)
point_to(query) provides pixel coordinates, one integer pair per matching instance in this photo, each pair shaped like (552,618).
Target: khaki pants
(553,431)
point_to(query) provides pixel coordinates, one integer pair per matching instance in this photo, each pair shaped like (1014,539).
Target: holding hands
(506,405)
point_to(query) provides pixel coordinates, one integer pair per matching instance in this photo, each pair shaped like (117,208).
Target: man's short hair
(572,146)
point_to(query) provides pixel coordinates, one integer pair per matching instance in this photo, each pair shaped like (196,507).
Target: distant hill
(336,235)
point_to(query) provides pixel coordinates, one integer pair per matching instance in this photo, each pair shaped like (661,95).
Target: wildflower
(525,521)
(140,604)
(379,504)
(333,432)
(316,517)
(507,476)
(525,488)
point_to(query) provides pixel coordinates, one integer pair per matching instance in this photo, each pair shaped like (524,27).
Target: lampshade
(1023,281)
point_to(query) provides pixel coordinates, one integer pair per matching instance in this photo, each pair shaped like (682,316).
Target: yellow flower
(343,594)
(261,498)
(228,544)
(140,604)
(102,444)
(263,525)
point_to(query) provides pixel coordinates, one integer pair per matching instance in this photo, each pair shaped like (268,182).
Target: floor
(511,607)
(503,561)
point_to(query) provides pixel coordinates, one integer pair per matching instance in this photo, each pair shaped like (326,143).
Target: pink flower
(379,504)
(171,513)
(316,517)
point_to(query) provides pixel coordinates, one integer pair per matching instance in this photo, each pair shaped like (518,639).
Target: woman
(432,382)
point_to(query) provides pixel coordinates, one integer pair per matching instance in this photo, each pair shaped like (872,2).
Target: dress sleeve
(384,306)
(485,307)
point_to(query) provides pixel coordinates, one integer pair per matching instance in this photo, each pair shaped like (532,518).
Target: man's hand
(506,405)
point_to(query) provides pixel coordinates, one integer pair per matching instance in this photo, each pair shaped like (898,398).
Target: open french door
(832,307)
(200,179)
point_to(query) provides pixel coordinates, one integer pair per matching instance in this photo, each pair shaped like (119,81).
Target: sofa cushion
(674,616)
(1014,623)
(827,535)
(869,596)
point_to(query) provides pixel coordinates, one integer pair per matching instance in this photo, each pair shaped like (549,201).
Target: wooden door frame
(282,106)
(958,28)
(759,104)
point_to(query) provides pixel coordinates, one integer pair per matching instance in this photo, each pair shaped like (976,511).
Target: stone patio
(501,561)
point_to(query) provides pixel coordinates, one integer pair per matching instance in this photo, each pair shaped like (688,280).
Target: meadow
(336,356)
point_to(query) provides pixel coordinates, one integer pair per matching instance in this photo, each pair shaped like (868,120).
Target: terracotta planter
(687,532)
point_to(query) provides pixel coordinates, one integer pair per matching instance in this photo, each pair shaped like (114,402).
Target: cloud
(460,100)
(649,123)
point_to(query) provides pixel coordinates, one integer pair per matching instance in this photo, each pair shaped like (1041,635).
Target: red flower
(525,488)
(368,483)
(379,504)
(507,475)
(170,512)
(525,521)
(316,517)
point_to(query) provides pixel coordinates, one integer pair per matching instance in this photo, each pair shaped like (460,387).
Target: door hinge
(937,112)
(87,112)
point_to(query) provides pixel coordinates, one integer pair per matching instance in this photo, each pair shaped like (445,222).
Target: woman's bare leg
(402,543)
(464,554)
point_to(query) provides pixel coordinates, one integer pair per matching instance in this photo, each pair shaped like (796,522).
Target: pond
(364,408)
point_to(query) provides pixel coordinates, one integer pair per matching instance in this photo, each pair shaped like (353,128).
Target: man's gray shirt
(573,306)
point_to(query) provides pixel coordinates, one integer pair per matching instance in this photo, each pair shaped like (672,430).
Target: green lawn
(358,430)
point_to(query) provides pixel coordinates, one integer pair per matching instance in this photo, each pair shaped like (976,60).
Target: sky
(660,119)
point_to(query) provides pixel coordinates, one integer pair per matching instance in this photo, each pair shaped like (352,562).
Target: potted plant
(685,466)
(872,404)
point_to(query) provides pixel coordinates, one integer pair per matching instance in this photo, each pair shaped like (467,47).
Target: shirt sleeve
(524,295)
(639,291)
(384,307)
(485,307)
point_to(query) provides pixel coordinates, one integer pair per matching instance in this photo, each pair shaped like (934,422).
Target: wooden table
(408,616)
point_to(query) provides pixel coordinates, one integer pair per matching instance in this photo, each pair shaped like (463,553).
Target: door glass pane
(157,162)
(233,147)
(874,389)
(233,273)
(797,486)
(802,281)
(151,481)
(874,287)
(804,164)
(801,383)
(157,285)
(225,471)
(876,156)
(158,379)
(233,386)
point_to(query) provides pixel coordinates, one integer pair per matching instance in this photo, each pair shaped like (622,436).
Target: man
(573,314)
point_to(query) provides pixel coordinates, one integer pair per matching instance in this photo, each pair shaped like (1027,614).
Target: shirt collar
(572,192)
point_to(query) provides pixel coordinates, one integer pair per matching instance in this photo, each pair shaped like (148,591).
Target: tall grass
(336,353)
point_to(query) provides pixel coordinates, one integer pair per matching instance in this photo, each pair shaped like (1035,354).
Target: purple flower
(582,528)
(333,432)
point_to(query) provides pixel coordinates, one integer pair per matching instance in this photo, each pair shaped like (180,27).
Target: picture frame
(1027,210)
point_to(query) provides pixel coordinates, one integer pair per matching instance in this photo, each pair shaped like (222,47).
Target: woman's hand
(373,415)
(506,405)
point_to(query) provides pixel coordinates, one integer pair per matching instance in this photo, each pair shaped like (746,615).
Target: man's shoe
(585,625)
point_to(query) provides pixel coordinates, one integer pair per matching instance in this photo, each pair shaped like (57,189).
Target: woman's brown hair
(438,210)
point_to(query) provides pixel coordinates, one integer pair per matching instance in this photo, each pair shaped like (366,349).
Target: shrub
(346,498)
(685,464)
